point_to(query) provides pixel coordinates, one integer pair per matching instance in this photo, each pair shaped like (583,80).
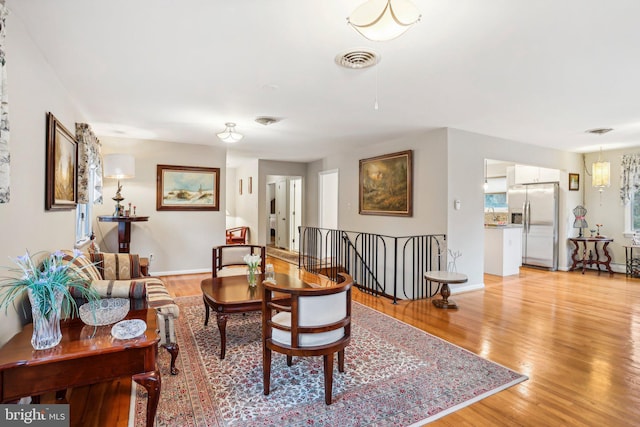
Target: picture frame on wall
(61,171)
(386,184)
(187,188)
(574,182)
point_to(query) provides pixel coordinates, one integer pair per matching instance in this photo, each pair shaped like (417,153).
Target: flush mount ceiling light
(266,120)
(381,20)
(229,133)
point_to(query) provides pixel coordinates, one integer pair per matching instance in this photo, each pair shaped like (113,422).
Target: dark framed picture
(187,188)
(61,187)
(386,185)
(250,185)
(574,182)
(240,186)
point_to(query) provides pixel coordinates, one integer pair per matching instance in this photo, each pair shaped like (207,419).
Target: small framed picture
(574,182)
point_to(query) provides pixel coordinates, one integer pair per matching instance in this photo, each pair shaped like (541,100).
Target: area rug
(288,256)
(395,375)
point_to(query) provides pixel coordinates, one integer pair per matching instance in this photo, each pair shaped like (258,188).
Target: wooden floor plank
(576,336)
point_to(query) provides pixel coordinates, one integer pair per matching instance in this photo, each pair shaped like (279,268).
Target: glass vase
(46,326)
(252,277)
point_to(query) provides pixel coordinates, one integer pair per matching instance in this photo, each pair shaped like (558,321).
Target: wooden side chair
(227,258)
(318,322)
(237,235)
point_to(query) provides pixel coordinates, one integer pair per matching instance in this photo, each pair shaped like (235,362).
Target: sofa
(118,275)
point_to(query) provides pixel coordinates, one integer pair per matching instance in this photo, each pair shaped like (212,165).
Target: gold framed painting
(61,188)
(574,182)
(386,185)
(187,188)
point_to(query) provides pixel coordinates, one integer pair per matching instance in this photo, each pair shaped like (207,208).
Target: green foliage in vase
(44,279)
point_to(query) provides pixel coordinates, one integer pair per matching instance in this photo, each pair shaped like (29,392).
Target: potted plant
(49,284)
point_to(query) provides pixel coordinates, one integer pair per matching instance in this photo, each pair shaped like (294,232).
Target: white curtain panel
(4,112)
(630,176)
(89,156)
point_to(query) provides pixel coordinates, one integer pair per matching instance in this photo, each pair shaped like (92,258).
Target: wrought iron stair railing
(379,264)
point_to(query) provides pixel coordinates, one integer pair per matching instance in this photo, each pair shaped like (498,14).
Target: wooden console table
(80,359)
(590,259)
(124,229)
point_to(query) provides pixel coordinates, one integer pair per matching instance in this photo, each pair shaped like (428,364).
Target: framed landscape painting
(187,188)
(386,185)
(61,187)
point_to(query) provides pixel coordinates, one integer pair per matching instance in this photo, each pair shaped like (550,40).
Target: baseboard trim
(178,272)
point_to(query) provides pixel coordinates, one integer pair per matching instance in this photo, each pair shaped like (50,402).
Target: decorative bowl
(104,311)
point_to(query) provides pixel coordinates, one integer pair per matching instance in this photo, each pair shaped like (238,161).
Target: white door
(328,203)
(282,215)
(295,206)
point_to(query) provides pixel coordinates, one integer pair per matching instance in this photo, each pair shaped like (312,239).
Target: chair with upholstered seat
(227,259)
(316,323)
(237,235)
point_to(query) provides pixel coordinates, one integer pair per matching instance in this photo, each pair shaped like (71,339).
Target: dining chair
(236,235)
(227,259)
(317,322)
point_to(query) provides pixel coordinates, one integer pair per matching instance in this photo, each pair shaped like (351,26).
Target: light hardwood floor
(576,336)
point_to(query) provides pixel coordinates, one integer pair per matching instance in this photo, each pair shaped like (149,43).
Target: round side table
(445,277)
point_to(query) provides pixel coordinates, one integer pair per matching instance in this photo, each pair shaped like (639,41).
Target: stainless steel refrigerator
(535,207)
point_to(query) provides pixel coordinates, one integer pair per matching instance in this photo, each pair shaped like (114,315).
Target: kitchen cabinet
(502,250)
(524,174)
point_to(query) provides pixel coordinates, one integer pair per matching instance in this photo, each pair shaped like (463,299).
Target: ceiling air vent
(357,59)
(266,120)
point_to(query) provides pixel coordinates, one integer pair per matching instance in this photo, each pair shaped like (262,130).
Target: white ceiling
(535,71)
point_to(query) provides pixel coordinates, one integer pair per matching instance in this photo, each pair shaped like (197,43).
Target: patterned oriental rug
(395,375)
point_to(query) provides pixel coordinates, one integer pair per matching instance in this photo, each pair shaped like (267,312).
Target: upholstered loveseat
(119,276)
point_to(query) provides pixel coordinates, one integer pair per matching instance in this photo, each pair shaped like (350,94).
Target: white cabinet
(524,174)
(502,250)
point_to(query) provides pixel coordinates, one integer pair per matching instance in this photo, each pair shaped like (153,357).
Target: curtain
(629,176)
(89,157)
(4,112)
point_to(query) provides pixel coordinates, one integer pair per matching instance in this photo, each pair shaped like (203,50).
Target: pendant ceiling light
(601,173)
(229,133)
(381,20)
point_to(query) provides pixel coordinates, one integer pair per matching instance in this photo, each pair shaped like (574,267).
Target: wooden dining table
(232,294)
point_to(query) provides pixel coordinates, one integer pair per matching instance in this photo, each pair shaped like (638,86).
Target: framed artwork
(240,186)
(574,182)
(250,185)
(187,188)
(386,185)
(61,188)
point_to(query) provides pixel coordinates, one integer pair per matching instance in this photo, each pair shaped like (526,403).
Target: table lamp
(580,211)
(119,166)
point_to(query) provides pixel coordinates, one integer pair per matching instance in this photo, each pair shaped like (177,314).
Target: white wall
(247,214)
(33,89)
(180,241)
(230,198)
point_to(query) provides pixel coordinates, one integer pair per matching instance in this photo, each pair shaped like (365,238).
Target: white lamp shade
(601,174)
(381,20)
(119,166)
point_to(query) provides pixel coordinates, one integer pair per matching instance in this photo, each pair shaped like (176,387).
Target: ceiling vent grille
(357,59)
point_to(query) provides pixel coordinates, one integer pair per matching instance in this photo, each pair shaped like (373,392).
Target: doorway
(284,198)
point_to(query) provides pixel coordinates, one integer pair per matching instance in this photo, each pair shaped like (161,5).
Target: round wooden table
(445,277)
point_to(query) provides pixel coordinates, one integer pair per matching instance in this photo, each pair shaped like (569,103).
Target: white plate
(127,329)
